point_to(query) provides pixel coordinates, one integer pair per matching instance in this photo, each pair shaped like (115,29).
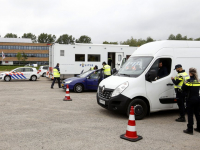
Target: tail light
(39,70)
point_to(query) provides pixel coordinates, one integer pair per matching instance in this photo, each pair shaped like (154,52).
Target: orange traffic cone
(67,97)
(131,133)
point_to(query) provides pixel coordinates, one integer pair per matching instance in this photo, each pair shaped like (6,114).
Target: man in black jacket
(162,71)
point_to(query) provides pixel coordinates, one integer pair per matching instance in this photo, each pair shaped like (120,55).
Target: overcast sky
(102,20)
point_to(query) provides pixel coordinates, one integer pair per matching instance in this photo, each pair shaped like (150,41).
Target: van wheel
(7,78)
(33,78)
(44,74)
(140,108)
(78,88)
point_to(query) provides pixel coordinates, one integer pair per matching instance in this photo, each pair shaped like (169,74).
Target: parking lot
(34,116)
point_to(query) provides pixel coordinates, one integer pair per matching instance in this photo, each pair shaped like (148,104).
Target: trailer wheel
(140,108)
(78,88)
(7,78)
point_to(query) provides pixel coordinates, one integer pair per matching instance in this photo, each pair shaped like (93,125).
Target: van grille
(106,94)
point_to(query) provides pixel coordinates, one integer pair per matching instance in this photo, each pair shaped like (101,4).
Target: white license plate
(102,102)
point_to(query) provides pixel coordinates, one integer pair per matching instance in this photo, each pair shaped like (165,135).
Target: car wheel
(7,78)
(140,108)
(33,78)
(78,88)
(44,74)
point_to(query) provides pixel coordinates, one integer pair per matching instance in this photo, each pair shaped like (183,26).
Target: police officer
(56,74)
(191,87)
(106,69)
(94,68)
(180,95)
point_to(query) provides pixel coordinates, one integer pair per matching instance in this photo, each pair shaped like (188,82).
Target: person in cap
(106,69)
(94,68)
(56,74)
(178,81)
(191,87)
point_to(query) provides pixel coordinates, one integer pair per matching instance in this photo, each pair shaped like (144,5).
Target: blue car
(88,80)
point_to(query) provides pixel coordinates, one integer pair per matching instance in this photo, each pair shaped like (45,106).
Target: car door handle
(170,84)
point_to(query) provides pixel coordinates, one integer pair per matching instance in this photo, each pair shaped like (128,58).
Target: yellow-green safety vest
(56,74)
(194,83)
(183,77)
(107,70)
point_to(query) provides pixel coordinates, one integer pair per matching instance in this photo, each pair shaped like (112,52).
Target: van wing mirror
(151,75)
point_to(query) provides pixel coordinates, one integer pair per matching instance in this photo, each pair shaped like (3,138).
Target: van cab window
(161,67)
(135,66)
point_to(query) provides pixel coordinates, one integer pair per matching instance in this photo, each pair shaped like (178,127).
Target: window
(19,70)
(95,75)
(28,70)
(119,57)
(79,57)
(94,57)
(45,68)
(62,53)
(162,67)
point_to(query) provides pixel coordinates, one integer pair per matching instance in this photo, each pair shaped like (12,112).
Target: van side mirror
(151,75)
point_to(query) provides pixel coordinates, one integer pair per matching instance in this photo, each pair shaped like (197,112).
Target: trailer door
(118,58)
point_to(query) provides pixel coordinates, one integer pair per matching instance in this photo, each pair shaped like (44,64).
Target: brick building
(37,53)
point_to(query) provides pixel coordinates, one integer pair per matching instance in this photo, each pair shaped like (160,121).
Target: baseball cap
(178,66)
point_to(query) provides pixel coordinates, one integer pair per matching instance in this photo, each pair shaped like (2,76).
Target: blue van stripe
(23,76)
(19,76)
(15,76)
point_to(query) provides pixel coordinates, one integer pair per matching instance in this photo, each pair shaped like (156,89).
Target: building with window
(37,53)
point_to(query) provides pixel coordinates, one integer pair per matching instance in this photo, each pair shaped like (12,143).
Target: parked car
(88,80)
(21,73)
(43,70)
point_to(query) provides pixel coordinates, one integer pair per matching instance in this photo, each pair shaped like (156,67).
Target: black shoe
(52,87)
(181,119)
(188,132)
(196,129)
(60,87)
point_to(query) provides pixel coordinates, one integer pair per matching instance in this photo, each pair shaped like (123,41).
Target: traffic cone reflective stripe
(67,96)
(131,133)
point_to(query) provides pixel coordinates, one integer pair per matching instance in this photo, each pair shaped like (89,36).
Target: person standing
(106,69)
(180,95)
(56,74)
(191,87)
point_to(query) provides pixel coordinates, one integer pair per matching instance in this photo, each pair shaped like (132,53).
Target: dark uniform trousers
(54,82)
(193,107)
(181,103)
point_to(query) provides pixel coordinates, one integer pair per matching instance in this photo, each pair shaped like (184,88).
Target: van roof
(153,47)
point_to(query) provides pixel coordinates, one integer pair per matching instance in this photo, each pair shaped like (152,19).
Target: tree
(115,43)
(10,35)
(198,39)
(84,39)
(149,39)
(46,38)
(30,36)
(65,39)
(178,37)
(19,56)
(130,42)
(24,57)
(171,37)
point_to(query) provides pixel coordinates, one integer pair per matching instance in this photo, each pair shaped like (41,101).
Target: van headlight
(120,89)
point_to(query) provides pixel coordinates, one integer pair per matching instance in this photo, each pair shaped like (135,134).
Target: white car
(21,73)
(43,70)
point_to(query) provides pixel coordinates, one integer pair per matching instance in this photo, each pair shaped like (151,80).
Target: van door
(118,58)
(160,89)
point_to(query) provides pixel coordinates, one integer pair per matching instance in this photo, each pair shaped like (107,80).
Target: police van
(21,73)
(137,83)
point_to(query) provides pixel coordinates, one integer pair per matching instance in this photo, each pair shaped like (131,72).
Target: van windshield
(135,66)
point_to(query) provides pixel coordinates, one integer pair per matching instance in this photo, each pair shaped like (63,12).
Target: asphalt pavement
(33,116)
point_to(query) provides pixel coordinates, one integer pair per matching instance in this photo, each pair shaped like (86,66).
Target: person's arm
(177,81)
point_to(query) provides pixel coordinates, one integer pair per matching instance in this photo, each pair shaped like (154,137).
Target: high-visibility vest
(183,77)
(92,68)
(56,74)
(107,70)
(194,83)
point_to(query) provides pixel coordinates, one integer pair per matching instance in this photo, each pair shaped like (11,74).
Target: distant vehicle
(74,58)
(21,73)
(137,83)
(33,65)
(88,80)
(43,70)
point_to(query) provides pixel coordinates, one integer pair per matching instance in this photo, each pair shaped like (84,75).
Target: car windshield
(85,74)
(135,66)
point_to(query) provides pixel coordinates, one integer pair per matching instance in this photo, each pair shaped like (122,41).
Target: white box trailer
(74,59)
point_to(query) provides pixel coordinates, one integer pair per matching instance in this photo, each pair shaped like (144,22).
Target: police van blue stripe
(19,76)
(15,76)
(23,76)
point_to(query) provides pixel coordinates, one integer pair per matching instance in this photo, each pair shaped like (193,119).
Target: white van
(136,84)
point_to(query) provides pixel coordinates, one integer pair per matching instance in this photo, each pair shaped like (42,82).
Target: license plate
(62,84)
(102,102)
